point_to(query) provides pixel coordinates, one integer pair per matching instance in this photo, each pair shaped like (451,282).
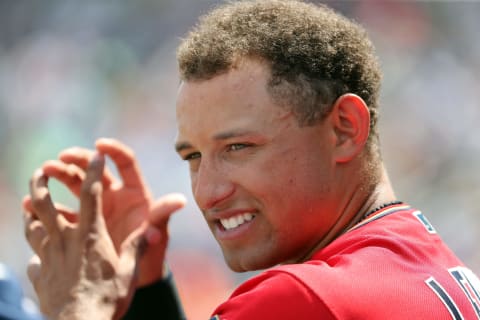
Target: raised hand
(127,202)
(77,272)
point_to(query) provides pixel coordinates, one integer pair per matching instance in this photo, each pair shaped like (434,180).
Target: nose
(211,185)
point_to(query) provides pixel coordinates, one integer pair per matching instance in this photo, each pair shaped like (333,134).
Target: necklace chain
(383,206)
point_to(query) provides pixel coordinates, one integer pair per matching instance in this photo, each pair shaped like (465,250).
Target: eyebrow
(232,134)
(182,145)
(179,146)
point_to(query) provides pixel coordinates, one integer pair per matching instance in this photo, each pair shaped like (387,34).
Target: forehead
(233,100)
(245,76)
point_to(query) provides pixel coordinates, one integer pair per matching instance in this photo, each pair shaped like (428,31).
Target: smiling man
(277,114)
(245,154)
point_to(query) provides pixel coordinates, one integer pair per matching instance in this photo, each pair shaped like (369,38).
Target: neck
(355,208)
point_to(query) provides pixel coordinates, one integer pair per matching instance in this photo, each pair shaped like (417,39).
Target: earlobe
(351,122)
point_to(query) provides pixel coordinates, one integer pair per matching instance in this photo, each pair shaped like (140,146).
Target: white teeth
(240,220)
(235,221)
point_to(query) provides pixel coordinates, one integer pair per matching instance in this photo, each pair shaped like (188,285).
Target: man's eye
(192,156)
(237,146)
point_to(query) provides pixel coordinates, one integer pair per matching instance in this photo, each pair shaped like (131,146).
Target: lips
(236,221)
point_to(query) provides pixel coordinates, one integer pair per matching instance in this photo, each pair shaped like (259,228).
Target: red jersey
(392,265)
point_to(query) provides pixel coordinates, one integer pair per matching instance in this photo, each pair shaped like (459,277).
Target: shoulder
(391,257)
(273,294)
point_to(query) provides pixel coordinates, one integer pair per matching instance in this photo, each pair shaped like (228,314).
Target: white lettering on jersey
(445,297)
(470,285)
(423,220)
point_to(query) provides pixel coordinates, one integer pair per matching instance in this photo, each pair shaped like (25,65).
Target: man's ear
(351,121)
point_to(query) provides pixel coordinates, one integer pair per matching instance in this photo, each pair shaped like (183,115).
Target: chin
(245,263)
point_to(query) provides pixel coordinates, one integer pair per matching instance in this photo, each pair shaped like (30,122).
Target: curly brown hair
(315,54)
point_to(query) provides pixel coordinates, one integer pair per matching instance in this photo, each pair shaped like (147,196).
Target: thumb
(164,207)
(132,250)
(131,253)
(137,242)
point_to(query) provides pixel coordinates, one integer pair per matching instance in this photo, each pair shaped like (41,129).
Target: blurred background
(73,71)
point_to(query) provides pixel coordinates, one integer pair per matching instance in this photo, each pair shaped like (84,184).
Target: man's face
(263,183)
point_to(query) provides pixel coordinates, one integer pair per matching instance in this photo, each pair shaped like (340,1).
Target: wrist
(88,307)
(155,273)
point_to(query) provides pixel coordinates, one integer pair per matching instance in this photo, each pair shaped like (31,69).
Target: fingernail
(105,140)
(97,161)
(38,173)
(97,157)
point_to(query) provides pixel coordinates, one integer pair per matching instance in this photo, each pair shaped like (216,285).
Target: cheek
(269,179)
(193,181)
(288,178)
(299,172)
(297,186)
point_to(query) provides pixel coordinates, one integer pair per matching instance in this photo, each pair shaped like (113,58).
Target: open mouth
(236,221)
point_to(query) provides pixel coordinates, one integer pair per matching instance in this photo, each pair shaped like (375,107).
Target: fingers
(69,214)
(124,159)
(27,203)
(91,197)
(132,249)
(35,232)
(122,156)
(156,237)
(131,253)
(160,212)
(33,270)
(164,207)
(79,158)
(68,174)
(42,203)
